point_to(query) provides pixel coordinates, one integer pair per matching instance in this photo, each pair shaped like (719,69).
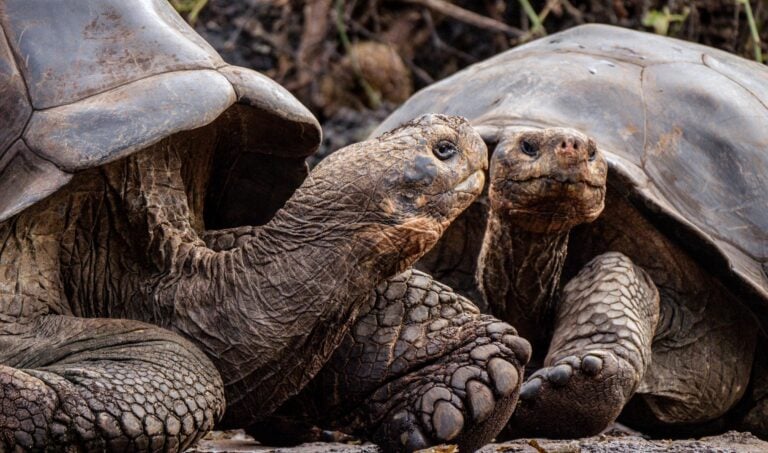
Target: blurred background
(353,61)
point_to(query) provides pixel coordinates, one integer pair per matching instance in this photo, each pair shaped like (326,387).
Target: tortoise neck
(519,275)
(274,304)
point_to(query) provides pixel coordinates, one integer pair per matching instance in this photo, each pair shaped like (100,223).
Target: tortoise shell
(684,128)
(84,83)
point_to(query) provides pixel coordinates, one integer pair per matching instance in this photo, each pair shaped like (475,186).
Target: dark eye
(444,150)
(592,151)
(528,148)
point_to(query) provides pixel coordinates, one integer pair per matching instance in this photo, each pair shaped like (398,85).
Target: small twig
(753,30)
(532,16)
(573,11)
(466,16)
(440,44)
(420,73)
(373,97)
(229,44)
(547,9)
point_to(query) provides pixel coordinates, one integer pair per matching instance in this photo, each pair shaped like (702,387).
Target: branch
(469,17)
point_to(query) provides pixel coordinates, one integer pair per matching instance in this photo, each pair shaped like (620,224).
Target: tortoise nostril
(571,145)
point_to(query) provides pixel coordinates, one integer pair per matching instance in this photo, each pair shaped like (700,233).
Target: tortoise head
(405,186)
(548,180)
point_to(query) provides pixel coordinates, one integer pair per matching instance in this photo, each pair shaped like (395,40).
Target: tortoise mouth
(547,190)
(452,202)
(564,181)
(472,184)
(558,203)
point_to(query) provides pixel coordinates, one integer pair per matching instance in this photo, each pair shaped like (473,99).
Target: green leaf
(661,20)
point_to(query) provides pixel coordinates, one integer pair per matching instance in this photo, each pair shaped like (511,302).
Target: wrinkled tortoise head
(418,178)
(548,180)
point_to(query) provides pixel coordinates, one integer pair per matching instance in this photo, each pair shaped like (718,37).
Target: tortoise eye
(528,148)
(592,149)
(445,149)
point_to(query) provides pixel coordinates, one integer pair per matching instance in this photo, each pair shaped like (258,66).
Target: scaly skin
(700,322)
(104,385)
(119,241)
(420,366)
(601,347)
(640,318)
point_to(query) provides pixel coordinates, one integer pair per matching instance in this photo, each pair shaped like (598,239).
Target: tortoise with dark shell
(625,230)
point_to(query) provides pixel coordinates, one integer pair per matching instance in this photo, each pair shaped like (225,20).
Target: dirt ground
(730,442)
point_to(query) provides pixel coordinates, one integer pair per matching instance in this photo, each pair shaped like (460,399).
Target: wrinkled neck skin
(270,311)
(518,273)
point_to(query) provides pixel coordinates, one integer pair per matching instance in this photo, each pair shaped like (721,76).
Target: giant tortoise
(157,254)
(667,306)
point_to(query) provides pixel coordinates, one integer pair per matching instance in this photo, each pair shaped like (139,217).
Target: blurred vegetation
(753,29)
(190,9)
(660,21)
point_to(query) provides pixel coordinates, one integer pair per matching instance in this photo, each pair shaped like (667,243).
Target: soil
(615,442)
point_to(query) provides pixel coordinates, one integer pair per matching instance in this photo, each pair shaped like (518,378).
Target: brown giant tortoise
(660,305)
(160,254)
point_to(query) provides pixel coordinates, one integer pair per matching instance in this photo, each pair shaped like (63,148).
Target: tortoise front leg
(421,366)
(103,385)
(599,352)
(446,373)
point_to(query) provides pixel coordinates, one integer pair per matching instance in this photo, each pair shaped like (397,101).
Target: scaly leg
(103,385)
(422,366)
(599,353)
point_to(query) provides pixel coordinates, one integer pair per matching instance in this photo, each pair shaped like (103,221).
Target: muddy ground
(730,442)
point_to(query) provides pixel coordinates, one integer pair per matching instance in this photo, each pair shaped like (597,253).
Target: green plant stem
(753,30)
(195,11)
(373,97)
(532,16)
(191,8)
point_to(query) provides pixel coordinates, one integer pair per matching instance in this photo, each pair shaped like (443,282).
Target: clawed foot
(422,366)
(463,399)
(574,397)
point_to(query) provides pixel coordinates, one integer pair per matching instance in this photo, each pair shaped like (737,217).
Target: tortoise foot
(421,366)
(591,389)
(560,374)
(105,385)
(463,399)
